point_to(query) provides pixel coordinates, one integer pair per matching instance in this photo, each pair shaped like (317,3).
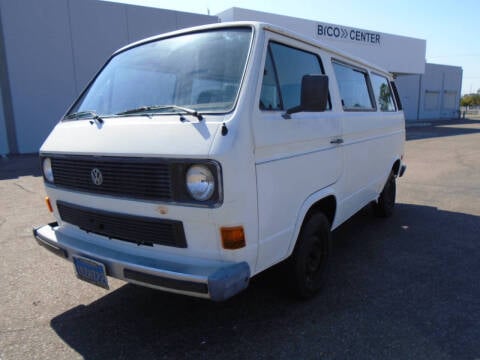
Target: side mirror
(314,94)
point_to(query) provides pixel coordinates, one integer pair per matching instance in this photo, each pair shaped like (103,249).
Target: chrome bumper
(213,280)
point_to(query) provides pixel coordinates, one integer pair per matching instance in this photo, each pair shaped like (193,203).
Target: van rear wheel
(386,201)
(309,261)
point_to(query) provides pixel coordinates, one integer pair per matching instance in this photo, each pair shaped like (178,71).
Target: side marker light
(233,238)
(49,204)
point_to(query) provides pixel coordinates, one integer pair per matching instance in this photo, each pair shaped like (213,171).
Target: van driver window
(270,97)
(282,77)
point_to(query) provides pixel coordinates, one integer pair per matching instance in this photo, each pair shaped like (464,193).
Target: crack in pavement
(24,188)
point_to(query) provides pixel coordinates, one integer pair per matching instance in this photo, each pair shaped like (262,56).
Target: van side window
(270,96)
(397,96)
(284,69)
(354,89)
(383,93)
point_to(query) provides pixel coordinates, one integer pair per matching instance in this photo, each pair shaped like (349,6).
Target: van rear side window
(354,89)
(282,77)
(383,93)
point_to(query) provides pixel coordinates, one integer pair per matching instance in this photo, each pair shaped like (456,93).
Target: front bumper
(209,279)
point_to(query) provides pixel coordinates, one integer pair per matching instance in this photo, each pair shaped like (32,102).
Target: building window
(383,93)
(450,100)
(282,76)
(432,100)
(353,86)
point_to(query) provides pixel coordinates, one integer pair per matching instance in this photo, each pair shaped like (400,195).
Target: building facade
(435,94)
(427,91)
(397,54)
(48,57)
(49,51)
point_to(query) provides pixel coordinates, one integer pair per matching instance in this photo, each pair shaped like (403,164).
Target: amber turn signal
(233,237)
(49,204)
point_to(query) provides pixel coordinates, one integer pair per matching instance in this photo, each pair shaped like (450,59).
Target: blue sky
(450,27)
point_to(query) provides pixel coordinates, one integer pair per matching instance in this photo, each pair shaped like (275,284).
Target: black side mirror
(314,94)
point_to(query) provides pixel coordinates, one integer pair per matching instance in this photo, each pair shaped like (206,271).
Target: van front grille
(126,177)
(136,229)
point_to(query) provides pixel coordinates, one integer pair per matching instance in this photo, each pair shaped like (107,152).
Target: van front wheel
(386,201)
(309,261)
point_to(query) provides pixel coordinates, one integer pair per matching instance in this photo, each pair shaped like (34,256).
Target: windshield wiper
(86,115)
(142,109)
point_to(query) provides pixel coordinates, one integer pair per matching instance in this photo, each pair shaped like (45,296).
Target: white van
(196,159)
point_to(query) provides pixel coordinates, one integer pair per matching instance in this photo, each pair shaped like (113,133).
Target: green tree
(470,100)
(385,98)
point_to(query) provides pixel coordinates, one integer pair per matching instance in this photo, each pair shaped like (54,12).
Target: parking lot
(405,287)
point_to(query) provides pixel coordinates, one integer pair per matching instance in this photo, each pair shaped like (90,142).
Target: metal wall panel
(408,88)
(54,47)
(145,22)
(438,84)
(187,20)
(4,146)
(98,29)
(433,95)
(40,66)
(3,130)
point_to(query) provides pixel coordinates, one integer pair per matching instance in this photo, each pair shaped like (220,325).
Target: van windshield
(198,71)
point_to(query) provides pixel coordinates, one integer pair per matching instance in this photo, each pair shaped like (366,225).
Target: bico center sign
(335,32)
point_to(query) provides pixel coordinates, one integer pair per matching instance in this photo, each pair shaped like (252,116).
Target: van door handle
(337,141)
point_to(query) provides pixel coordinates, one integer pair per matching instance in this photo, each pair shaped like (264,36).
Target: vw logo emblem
(96,176)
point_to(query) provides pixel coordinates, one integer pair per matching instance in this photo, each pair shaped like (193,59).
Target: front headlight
(47,170)
(200,182)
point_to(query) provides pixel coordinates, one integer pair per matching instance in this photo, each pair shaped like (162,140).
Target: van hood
(165,136)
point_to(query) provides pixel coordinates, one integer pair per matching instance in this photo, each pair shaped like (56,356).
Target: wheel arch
(324,201)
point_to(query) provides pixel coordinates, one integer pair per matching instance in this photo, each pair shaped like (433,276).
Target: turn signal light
(233,237)
(49,204)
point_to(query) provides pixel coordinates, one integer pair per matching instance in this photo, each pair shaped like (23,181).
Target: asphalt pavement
(407,287)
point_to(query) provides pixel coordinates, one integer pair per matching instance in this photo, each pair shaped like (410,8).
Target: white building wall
(54,47)
(409,91)
(427,91)
(452,87)
(397,54)
(433,95)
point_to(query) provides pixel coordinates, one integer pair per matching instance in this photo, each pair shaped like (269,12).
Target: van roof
(262,26)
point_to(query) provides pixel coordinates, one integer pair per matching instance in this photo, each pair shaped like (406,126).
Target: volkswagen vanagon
(196,159)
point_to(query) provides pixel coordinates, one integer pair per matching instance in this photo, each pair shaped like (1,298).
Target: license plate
(91,271)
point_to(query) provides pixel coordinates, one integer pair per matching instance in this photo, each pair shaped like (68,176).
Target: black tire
(308,264)
(386,201)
